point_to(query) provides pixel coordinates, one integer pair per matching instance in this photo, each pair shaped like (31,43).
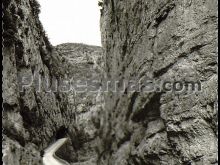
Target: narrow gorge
(161,40)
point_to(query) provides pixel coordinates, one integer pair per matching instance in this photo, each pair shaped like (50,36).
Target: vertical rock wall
(33,116)
(83,64)
(172,40)
(30,117)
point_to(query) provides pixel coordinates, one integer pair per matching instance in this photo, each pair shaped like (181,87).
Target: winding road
(50,158)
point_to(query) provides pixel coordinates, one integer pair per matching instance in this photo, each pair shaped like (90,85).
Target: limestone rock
(160,40)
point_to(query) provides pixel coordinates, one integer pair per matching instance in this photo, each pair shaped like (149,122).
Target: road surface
(50,158)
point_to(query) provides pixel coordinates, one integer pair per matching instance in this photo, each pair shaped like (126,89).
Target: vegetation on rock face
(47,42)
(39,117)
(35,7)
(100,3)
(26,114)
(9,26)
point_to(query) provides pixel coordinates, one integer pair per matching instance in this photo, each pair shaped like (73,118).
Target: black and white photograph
(110,82)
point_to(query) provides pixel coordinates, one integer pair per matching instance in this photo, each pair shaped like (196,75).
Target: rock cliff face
(83,64)
(160,40)
(36,114)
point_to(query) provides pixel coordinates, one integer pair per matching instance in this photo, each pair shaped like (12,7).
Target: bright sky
(75,21)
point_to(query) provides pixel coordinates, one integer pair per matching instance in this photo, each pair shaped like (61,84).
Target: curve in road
(50,158)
